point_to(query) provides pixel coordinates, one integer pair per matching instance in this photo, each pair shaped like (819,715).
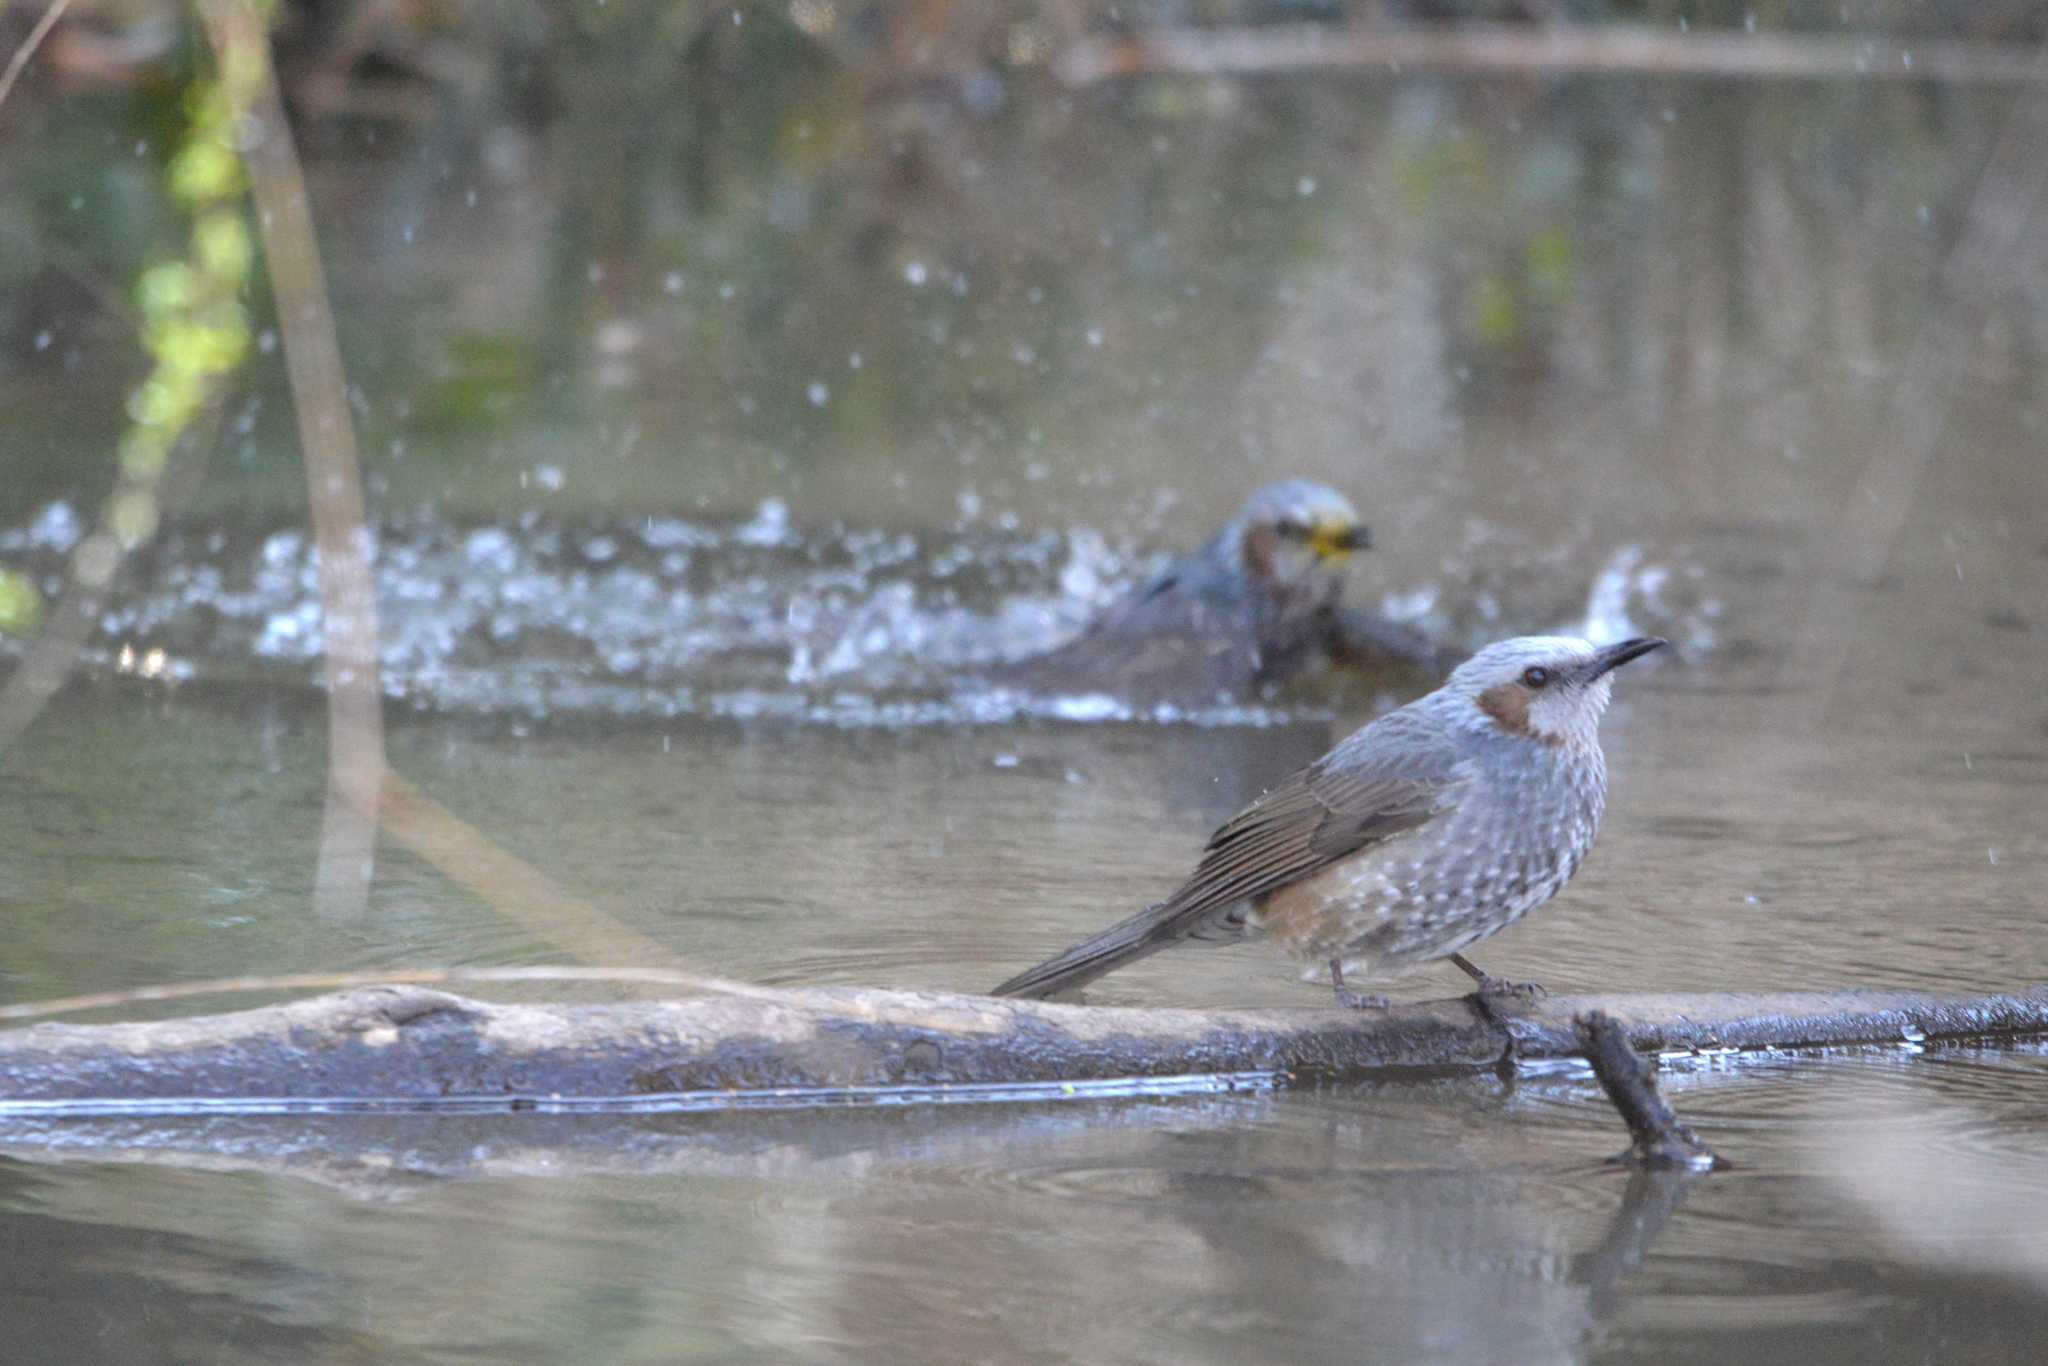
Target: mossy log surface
(404,1046)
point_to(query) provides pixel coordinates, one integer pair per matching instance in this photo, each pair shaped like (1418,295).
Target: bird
(1423,832)
(1259,603)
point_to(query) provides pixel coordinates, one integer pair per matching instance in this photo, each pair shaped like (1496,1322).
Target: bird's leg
(1352,1000)
(1489,985)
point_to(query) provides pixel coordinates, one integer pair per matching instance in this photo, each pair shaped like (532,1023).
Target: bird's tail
(1142,935)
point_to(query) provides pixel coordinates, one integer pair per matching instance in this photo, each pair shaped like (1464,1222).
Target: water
(1460,1220)
(700,645)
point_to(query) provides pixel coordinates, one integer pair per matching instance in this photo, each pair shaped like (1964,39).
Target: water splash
(756,618)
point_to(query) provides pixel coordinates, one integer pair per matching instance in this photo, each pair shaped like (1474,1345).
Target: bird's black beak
(1621,652)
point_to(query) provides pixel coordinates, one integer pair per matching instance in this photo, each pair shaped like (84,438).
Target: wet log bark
(410,1047)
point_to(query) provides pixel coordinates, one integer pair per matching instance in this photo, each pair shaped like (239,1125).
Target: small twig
(1661,1139)
(519,891)
(1542,50)
(30,44)
(313,368)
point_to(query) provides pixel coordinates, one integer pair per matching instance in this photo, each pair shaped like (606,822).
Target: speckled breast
(1523,825)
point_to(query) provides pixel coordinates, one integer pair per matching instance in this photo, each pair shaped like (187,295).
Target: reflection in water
(1450,1220)
(1301,1228)
(160,1294)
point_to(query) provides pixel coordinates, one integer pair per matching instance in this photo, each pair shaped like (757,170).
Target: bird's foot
(1489,987)
(1361,1000)
(1501,986)
(1353,1000)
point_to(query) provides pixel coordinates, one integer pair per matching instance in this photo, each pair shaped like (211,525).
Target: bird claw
(1361,1000)
(1493,987)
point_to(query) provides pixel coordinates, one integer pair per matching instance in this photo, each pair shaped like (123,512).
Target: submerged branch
(410,1047)
(1660,1138)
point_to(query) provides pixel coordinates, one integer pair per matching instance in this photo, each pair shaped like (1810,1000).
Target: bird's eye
(1536,677)
(1291,529)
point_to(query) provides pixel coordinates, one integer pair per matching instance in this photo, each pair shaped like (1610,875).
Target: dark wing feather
(1386,779)
(1187,635)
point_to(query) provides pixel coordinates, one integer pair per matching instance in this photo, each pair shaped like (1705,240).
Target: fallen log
(405,1047)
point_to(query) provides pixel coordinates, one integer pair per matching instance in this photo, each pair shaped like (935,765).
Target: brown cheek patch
(1508,705)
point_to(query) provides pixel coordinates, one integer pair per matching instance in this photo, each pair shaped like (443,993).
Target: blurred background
(733,383)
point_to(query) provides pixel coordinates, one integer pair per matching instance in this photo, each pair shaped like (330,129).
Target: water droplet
(1094,337)
(915,272)
(817,393)
(673,282)
(1305,186)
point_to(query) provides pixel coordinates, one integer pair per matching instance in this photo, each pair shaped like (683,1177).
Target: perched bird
(1253,607)
(1416,837)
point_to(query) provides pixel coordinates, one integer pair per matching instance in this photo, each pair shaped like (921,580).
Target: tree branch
(412,1048)
(1660,1139)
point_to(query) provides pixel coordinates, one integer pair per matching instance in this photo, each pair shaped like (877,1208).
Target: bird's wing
(1385,780)
(1367,791)
(1186,636)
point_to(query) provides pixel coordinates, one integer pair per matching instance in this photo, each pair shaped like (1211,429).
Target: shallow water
(1456,1221)
(682,601)
(1885,1206)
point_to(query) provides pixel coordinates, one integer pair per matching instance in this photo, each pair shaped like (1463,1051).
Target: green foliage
(21,606)
(193,324)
